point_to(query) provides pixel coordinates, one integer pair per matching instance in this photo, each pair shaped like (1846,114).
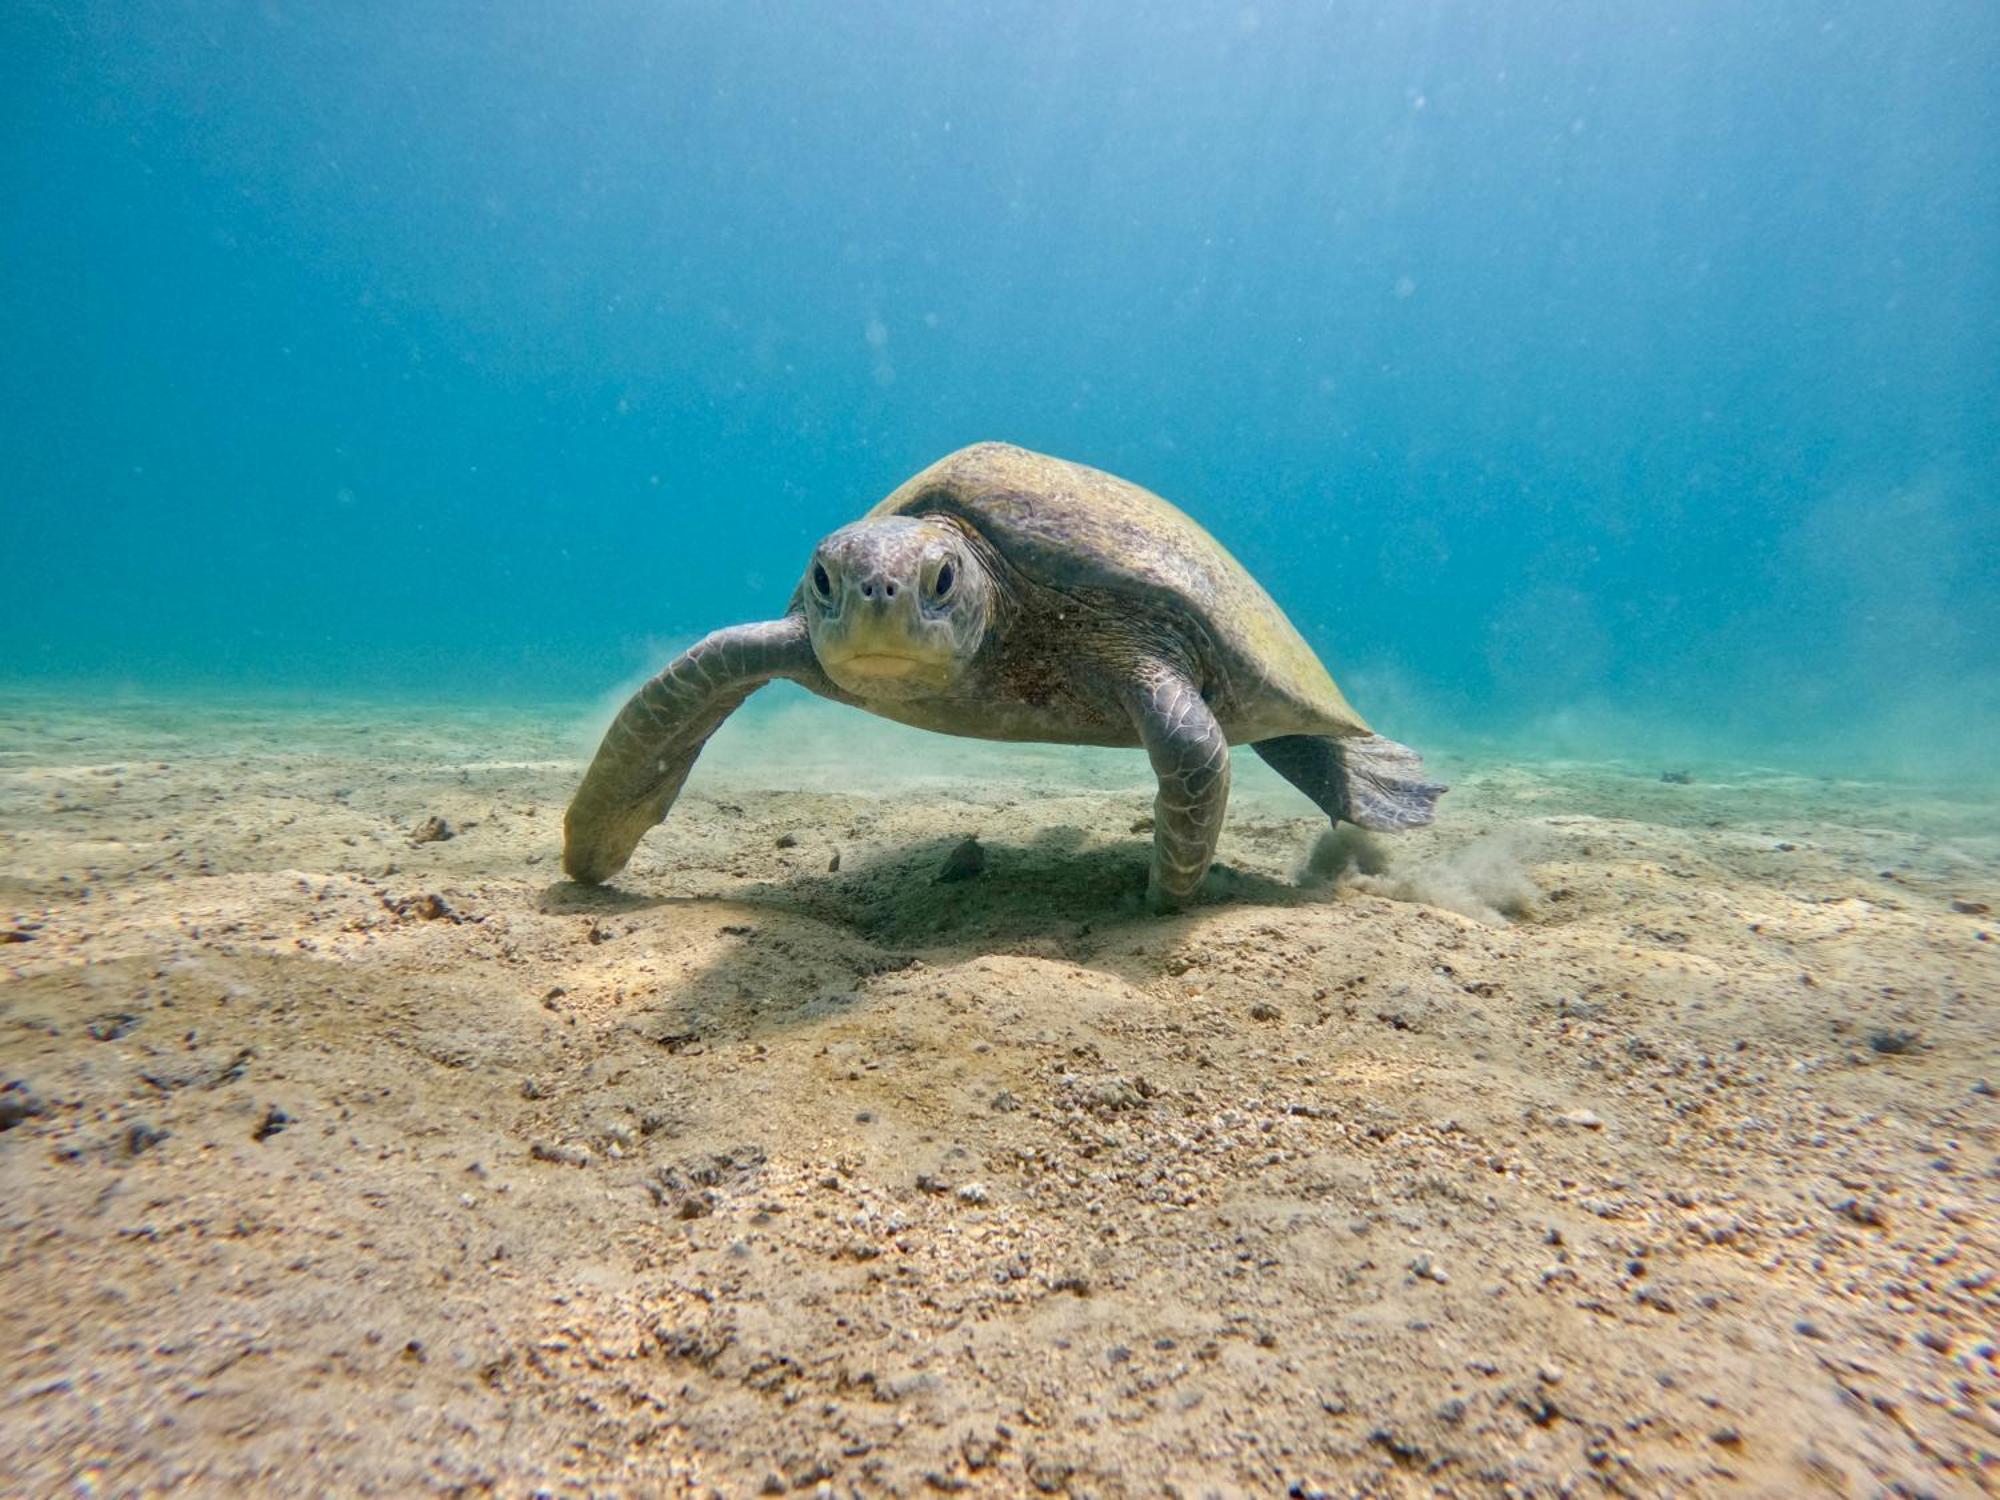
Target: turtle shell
(1068,526)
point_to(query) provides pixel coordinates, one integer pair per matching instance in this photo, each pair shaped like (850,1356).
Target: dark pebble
(17,1103)
(964,862)
(274,1121)
(141,1138)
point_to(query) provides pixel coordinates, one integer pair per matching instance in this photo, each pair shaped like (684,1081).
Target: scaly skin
(653,743)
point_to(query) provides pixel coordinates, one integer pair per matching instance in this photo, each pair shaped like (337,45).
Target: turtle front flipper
(1368,780)
(651,746)
(1190,755)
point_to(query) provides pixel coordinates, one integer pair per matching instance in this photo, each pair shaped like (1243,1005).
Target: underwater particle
(432,830)
(274,1121)
(1677,778)
(965,862)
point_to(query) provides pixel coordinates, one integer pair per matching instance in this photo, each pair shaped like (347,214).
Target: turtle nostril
(889,589)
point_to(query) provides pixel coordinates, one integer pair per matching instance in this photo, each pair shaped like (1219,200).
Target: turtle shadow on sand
(801,950)
(1056,887)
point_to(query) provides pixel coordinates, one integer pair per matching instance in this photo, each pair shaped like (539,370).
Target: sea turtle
(1007,595)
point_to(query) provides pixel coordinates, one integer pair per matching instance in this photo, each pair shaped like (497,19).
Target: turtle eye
(822,585)
(946,577)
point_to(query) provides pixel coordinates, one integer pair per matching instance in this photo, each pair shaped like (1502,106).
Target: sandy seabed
(1614,1135)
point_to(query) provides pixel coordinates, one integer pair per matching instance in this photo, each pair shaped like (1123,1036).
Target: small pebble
(1582,1118)
(1863,1211)
(142,1137)
(1426,1269)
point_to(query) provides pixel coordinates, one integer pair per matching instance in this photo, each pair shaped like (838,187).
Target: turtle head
(897,606)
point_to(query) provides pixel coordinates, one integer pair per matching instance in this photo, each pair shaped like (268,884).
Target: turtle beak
(871,629)
(880,647)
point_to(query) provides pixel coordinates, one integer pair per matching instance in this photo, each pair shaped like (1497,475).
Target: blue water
(1612,368)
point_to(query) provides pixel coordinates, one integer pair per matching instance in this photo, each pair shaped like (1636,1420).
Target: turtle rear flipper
(651,746)
(1365,779)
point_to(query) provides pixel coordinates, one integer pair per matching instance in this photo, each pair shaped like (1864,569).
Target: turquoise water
(1571,372)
